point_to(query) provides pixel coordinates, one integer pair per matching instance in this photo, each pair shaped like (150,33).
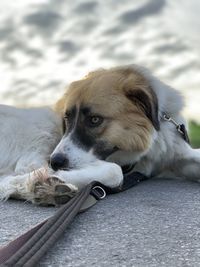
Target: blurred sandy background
(45,44)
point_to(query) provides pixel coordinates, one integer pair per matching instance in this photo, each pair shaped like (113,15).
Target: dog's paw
(52,191)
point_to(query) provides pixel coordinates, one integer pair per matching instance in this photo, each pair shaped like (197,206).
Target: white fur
(109,174)
(29,136)
(78,158)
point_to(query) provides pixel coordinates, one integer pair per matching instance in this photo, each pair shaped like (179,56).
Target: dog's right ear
(60,106)
(147,102)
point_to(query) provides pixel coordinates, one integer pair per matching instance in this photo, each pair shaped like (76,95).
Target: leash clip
(98,192)
(169,119)
(179,127)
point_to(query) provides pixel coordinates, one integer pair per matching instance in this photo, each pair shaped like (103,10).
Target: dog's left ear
(147,102)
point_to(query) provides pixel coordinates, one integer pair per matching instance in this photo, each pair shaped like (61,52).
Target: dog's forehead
(103,89)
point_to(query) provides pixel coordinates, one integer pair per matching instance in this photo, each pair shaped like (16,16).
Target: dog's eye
(94,121)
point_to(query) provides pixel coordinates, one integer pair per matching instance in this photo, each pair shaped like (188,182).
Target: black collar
(126,169)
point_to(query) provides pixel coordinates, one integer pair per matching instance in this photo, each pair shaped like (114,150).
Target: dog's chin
(123,158)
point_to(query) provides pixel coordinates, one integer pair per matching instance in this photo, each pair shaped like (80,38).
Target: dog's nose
(58,161)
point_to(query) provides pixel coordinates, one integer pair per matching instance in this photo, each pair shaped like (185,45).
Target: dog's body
(111,118)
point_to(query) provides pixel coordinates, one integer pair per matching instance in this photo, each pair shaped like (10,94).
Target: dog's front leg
(38,187)
(109,174)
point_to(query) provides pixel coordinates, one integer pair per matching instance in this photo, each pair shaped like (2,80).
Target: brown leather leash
(28,249)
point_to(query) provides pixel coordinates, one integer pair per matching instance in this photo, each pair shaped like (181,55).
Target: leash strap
(28,249)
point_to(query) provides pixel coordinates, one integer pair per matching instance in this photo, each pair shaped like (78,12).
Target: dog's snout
(58,161)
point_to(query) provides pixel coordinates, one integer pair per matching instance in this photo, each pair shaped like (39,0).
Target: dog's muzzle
(59,161)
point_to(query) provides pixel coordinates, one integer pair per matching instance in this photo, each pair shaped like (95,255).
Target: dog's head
(106,114)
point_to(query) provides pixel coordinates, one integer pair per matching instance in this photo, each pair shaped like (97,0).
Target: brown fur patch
(110,93)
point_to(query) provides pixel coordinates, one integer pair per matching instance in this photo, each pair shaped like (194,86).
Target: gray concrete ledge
(156,223)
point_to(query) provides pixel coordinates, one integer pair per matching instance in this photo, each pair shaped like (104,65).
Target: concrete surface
(156,223)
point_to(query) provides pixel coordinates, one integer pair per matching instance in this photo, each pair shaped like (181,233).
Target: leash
(28,249)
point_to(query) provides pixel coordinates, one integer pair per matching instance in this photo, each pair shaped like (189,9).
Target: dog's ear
(147,102)
(59,107)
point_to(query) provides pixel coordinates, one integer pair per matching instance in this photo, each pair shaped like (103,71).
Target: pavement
(154,224)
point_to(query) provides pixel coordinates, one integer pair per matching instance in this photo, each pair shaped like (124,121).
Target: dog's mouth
(102,150)
(104,154)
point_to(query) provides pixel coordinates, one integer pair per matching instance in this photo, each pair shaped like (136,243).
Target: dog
(109,119)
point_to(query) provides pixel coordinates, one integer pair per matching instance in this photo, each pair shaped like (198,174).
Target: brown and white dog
(111,118)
